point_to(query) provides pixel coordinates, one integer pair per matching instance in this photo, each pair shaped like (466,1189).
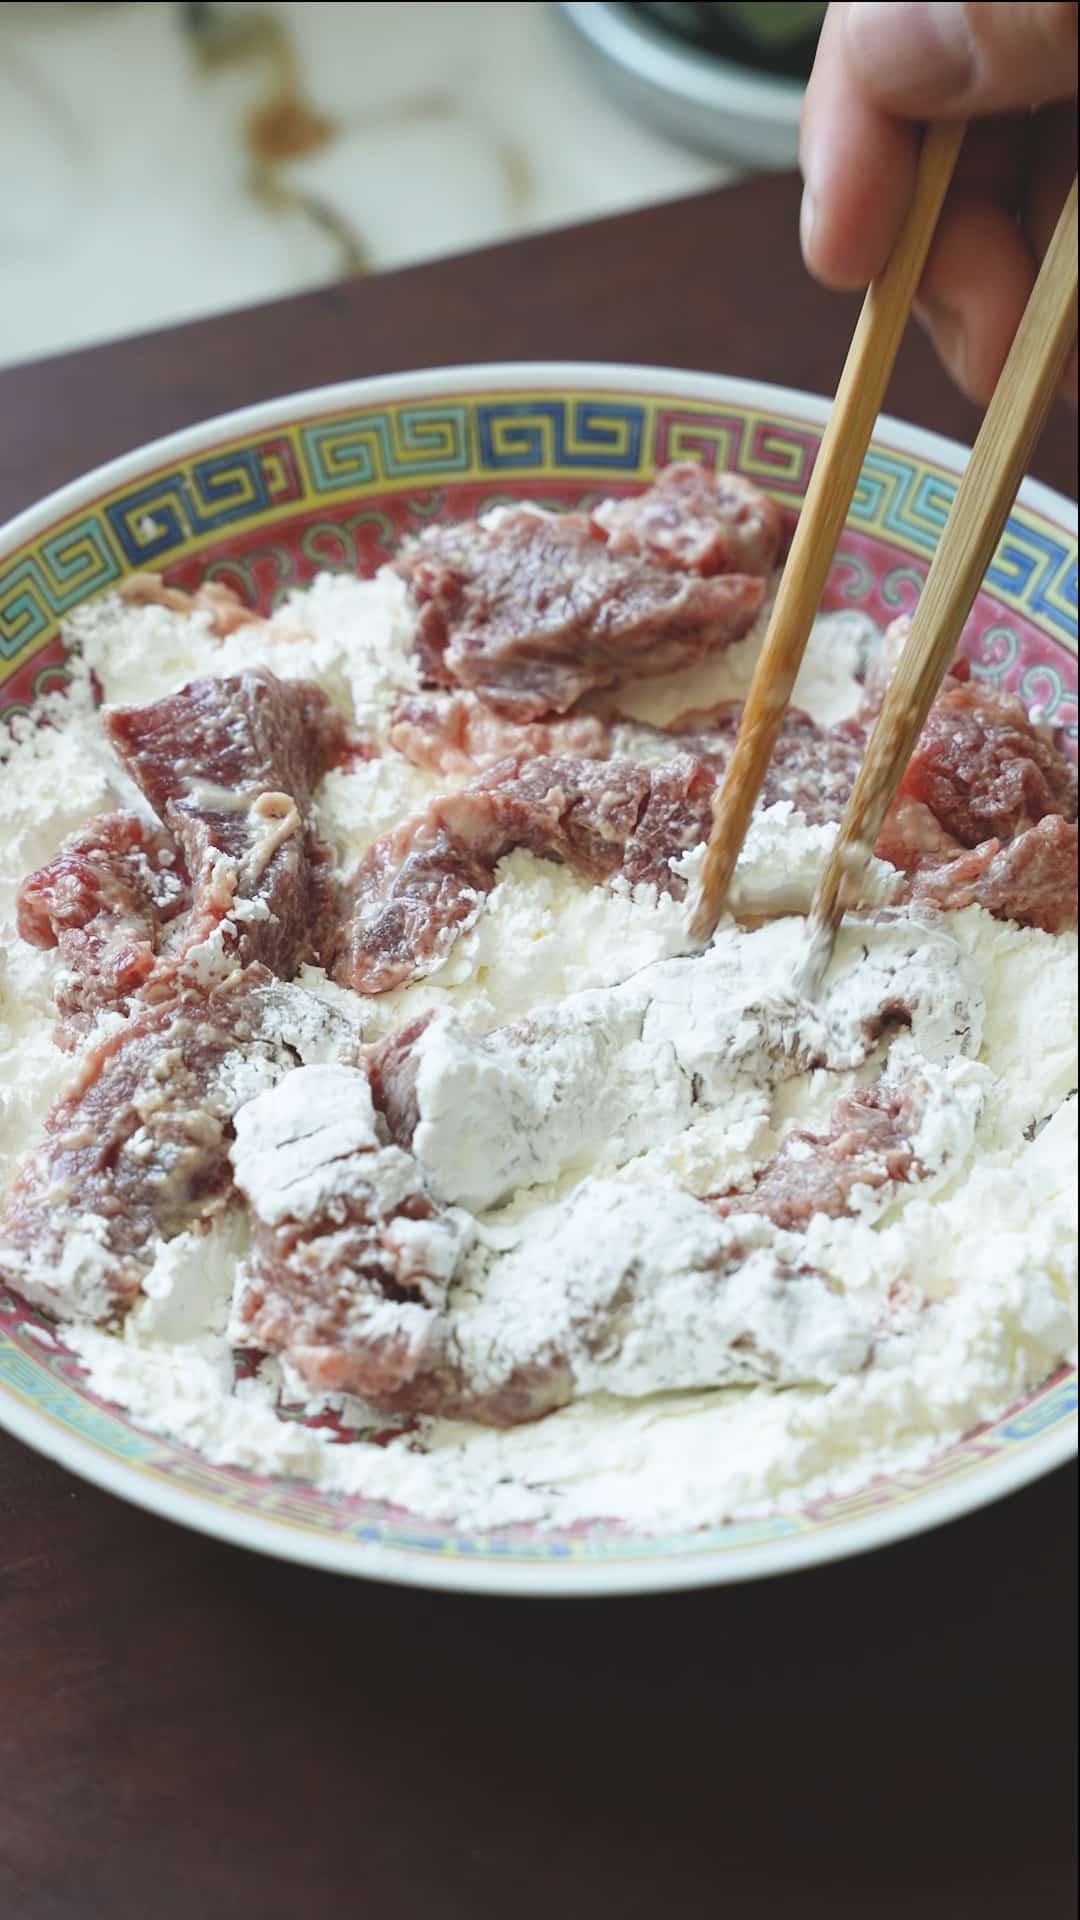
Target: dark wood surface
(188,1732)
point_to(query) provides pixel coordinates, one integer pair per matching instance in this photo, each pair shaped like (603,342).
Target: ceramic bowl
(265,499)
(733,112)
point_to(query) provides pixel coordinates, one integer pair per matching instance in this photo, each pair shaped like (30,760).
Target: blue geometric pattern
(65,567)
(52,1396)
(895,495)
(546,434)
(171,509)
(1031,565)
(1045,1412)
(365,449)
(1034,568)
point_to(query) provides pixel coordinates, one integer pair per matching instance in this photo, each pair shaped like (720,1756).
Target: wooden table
(190,1733)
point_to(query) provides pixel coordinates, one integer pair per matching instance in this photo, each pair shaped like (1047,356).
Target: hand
(881,69)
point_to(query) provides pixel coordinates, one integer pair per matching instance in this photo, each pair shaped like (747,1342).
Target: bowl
(264,499)
(717,106)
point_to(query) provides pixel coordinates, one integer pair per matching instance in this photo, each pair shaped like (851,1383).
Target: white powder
(605,1075)
(826,688)
(310,1147)
(598,1188)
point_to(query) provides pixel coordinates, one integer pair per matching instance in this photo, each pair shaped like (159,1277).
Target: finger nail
(946,330)
(807,217)
(924,44)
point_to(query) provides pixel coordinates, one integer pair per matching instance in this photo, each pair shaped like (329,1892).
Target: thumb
(938,58)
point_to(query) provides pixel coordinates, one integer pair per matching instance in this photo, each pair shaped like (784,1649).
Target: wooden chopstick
(984,498)
(857,404)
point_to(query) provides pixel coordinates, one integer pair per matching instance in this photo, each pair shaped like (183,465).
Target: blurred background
(161,161)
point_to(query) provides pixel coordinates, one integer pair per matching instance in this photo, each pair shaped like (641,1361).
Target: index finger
(858,164)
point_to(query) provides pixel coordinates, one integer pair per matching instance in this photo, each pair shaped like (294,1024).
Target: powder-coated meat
(457,733)
(412,894)
(536,610)
(138,1150)
(103,900)
(985,810)
(868,1145)
(812,766)
(392,1065)
(675,817)
(1032,879)
(984,770)
(352,1258)
(358,1278)
(229,765)
(416,889)
(327,1290)
(697,522)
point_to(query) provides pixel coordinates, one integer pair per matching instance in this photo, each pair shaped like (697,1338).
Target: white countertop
(133,197)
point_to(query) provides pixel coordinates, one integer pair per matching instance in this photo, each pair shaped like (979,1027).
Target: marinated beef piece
(984,813)
(913,838)
(417,888)
(602,818)
(225,608)
(358,1278)
(138,1150)
(223,738)
(1032,879)
(412,894)
(697,522)
(581,813)
(812,766)
(392,1066)
(535,611)
(609,1073)
(984,771)
(599,817)
(457,733)
(103,901)
(868,1145)
(675,817)
(352,1259)
(229,765)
